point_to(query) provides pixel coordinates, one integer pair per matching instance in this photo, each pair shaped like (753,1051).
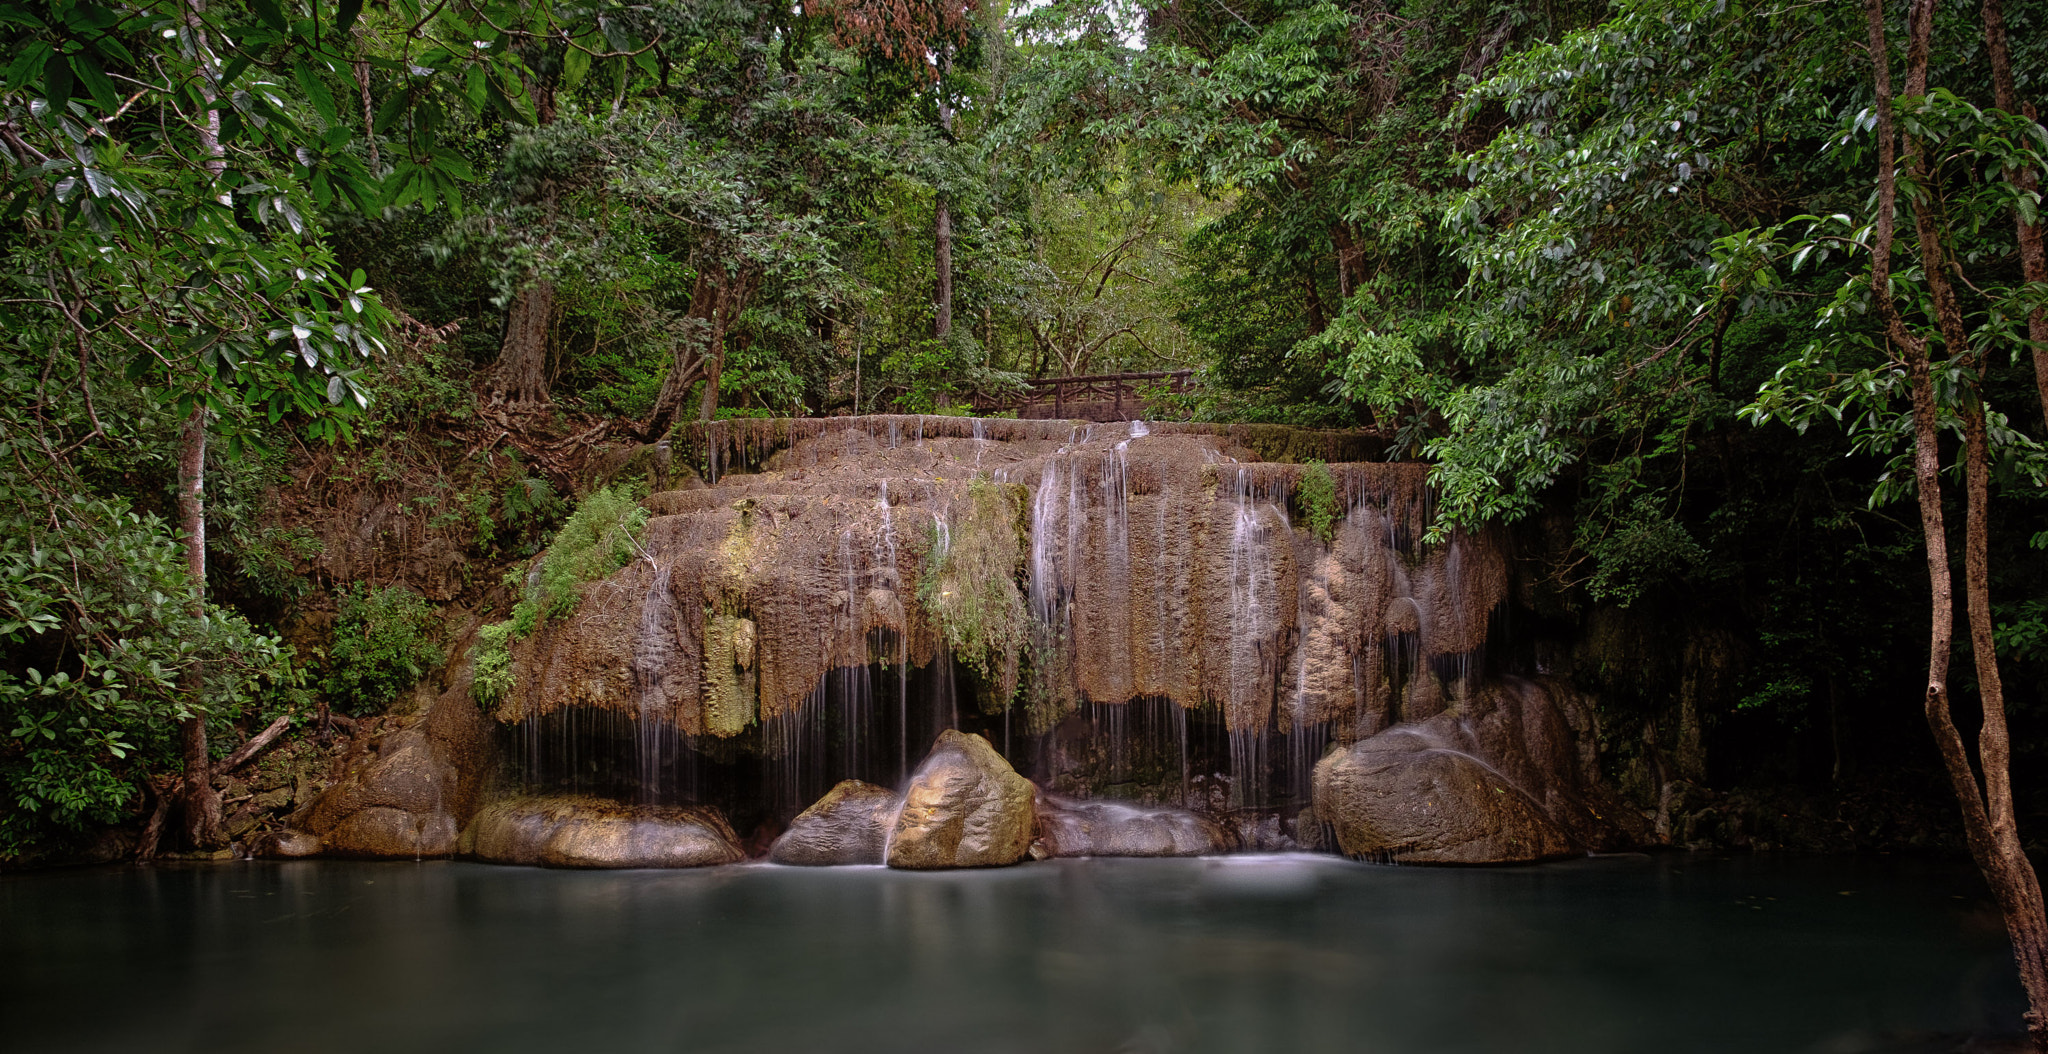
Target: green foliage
(598,539)
(494,676)
(937,375)
(383,645)
(1315,495)
(99,642)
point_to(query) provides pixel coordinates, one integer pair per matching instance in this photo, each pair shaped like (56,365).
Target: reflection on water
(1671,954)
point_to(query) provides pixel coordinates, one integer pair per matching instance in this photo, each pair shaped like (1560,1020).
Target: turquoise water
(1624,954)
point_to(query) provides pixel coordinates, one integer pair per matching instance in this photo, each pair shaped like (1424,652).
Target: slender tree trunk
(2033,257)
(942,303)
(201,804)
(2012,876)
(1989,824)
(942,234)
(716,301)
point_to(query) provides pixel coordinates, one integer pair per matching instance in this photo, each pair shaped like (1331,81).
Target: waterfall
(1179,640)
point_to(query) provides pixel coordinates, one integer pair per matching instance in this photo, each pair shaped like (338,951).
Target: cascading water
(1180,641)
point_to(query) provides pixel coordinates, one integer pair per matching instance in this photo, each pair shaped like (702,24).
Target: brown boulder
(382,831)
(1069,827)
(408,795)
(849,825)
(1404,795)
(965,808)
(286,845)
(593,832)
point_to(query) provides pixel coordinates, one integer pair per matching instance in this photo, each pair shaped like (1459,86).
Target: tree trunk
(716,301)
(942,234)
(1989,824)
(2033,257)
(520,381)
(942,303)
(201,804)
(2013,880)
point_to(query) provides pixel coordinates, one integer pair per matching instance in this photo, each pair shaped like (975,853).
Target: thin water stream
(1244,954)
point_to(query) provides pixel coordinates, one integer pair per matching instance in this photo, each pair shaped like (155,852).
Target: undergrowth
(383,645)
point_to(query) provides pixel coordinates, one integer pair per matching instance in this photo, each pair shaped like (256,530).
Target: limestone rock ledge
(849,825)
(965,807)
(595,833)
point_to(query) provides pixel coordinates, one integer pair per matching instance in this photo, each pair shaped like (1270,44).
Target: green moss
(1315,495)
(598,539)
(969,587)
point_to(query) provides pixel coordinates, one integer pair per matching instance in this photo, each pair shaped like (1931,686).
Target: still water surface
(1285,954)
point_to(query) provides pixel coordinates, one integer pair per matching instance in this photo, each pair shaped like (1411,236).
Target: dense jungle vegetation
(1610,267)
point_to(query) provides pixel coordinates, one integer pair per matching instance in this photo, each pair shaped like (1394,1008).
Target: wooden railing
(1098,397)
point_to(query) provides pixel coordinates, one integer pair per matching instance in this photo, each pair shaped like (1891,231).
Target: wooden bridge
(1099,397)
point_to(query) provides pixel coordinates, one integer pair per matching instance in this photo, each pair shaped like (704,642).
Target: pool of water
(1622,954)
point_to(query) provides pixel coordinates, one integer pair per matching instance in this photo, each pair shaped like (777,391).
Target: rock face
(1067,827)
(965,808)
(1500,782)
(849,825)
(408,795)
(593,832)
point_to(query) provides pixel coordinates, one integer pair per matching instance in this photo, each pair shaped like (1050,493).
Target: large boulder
(1070,827)
(965,808)
(593,832)
(407,794)
(1501,778)
(849,825)
(1401,796)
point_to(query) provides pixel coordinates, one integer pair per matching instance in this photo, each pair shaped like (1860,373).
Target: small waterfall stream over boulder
(1130,616)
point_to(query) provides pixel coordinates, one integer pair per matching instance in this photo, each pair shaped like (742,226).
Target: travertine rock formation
(410,793)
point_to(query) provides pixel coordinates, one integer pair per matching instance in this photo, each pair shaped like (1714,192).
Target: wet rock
(286,845)
(1069,827)
(849,825)
(593,832)
(965,808)
(1403,796)
(381,831)
(1506,775)
(408,796)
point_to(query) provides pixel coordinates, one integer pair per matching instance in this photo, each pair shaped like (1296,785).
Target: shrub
(495,676)
(383,645)
(597,540)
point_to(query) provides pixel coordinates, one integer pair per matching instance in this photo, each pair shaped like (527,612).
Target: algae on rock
(969,585)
